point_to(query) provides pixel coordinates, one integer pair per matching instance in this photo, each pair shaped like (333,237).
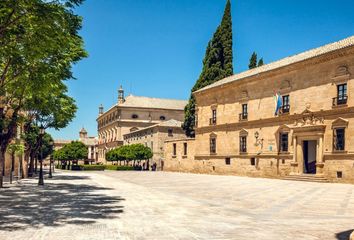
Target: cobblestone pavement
(161,205)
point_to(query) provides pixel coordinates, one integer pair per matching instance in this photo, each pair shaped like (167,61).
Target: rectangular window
(185,149)
(339,139)
(243,144)
(196,121)
(152,146)
(342,96)
(244,114)
(212,145)
(170,132)
(253,162)
(174,149)
(286,104)
(227,161)
(213,117)
(283,142)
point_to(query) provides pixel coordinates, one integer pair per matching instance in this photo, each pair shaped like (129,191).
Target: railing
(212,121)
(285,109)
(340,100)
(243,116)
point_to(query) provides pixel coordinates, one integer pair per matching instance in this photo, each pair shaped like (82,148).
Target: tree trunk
(2,166)
(12,168)
(36,164)
(31,165)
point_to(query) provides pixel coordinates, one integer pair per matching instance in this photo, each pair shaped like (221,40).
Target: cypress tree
(260,62)
(217,64)
(253,61)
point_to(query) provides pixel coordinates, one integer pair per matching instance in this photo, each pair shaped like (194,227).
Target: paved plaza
(162,205)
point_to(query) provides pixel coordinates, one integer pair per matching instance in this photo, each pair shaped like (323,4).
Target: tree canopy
(39,43)
(217,64)
(253,61)
(129,152)
(72,151)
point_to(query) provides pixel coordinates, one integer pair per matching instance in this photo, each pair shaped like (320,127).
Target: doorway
(309,149)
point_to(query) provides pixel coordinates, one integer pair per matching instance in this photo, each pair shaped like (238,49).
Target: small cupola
(121,98)
(100,110)
(83,133)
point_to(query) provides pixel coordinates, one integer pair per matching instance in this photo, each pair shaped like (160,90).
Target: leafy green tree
(253,61)
(34,143)
(129,152)
(60,154)
(217,64)
(75,151)
(260,62)
(140,152)
(39,42)
(46,148)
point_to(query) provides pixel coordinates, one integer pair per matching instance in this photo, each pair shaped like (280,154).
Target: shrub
(76,167)
(90,167)
(119,168)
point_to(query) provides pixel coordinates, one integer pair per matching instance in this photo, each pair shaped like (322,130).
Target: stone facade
(154,137)
(238,132)
(131,114)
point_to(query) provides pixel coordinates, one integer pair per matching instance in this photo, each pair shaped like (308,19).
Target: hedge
(98,167)
(119,168)
(91,167)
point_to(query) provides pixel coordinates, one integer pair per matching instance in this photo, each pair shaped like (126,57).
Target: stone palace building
(131,114)
(240,130)
(154,137)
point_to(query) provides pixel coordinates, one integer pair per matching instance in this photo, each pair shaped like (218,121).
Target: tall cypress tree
(217,64)
(253,61)
(260,62)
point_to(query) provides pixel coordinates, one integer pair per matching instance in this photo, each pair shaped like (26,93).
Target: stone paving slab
(161,205)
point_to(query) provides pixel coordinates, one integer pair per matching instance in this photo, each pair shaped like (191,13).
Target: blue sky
(155,47)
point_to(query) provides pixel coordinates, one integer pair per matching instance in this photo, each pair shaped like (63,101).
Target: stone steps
(306,178)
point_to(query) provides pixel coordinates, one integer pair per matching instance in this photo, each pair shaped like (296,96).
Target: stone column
(294,163)
(320,163)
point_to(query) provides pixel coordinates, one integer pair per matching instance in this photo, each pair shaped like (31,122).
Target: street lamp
(41,134)
(51,143)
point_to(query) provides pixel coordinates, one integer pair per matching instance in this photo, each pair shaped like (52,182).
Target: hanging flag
(278,103)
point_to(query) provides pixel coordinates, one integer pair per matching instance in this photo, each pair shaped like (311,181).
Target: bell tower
(121,98)
(83,133)
(100,110)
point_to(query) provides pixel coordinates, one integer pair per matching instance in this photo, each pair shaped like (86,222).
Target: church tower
(121,95)
(83,133)
(100,110)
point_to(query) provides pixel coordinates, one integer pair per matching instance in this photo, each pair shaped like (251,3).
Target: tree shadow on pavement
(344,235)
(56,203)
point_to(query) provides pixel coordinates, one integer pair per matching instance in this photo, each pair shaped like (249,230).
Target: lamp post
(50,161)
(40,179)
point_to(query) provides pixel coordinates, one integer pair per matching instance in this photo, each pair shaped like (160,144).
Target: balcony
(243,116)
(212,121)
(340,100)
